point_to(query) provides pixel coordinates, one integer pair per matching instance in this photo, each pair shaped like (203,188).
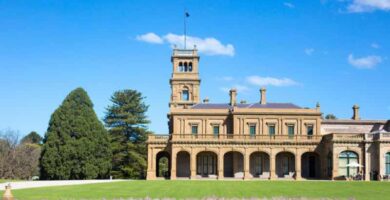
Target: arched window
(387,163)
(180,67)
(190,67)
(185,96)
(348,163)
(185,67)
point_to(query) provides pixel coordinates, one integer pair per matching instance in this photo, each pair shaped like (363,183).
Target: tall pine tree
(126,120)
(76,144)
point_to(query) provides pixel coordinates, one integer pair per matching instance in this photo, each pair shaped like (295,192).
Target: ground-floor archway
(310,165)
(233,164)
(163,164)
(183,164)
(285,165)
(207,164)
(259,165)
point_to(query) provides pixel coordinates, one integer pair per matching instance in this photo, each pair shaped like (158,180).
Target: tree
(126,119)
(17,160)
(33,138)
(76,144)
(330,116)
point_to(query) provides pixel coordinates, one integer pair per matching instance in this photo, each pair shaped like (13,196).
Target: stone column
(151,173)
(381,162)
(272,164)
(246,166)
(220,165)
(173,164)
(298,166)
(335,167)
(367,165)
(193,165)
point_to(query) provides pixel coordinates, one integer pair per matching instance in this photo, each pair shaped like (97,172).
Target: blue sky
(332,52)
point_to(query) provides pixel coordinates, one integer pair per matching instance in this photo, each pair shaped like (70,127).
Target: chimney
(318,106)
(233,97)
(206,100)
(262,96)
(355,109)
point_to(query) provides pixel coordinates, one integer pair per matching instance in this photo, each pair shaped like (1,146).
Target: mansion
(260,140)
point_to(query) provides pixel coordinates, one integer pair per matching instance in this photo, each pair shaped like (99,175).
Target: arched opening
(310,164)
(259,165)
(233,164)
(190,67)
(185,94)
(180,67)
(183,164)
(285,165)
(185,67)
(387,163)
(206,164)
(329,163)
(163,164)
(348,163)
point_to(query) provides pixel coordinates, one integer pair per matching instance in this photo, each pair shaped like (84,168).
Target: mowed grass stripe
(200,189)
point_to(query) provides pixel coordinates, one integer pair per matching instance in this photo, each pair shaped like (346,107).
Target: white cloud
(375,45)
(271,81)
(359,6)
(289,5)
(208,46)
(309,51)
(150,38)
(367,62)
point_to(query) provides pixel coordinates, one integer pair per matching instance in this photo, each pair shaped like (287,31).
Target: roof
(253,105)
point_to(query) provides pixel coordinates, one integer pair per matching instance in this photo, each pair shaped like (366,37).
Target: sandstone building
(260,140)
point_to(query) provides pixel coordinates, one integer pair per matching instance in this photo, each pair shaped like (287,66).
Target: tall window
(387,163)
(194,129)
(185,95)
(252,129)
(216,130)
(291,130)
(346,160)
(309,130)
(271,129)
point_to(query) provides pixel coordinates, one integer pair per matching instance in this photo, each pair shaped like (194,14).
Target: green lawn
(199,189)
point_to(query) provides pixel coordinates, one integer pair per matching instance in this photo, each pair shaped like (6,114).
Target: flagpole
(185,28)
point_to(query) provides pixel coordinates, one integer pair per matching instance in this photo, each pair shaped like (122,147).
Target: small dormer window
(185,95)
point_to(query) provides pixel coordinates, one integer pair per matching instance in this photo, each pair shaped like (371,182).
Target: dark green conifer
(126,119)
(76,144)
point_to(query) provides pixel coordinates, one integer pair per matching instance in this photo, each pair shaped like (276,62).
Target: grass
(200,189)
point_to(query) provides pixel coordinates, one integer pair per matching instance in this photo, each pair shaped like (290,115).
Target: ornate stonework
(260,140)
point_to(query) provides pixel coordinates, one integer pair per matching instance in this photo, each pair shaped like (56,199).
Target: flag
(187,14)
